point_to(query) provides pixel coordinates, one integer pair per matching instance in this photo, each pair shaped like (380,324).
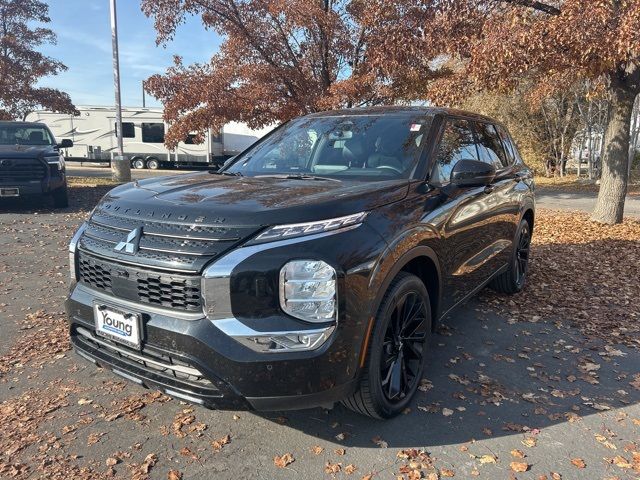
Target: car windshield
(366,147)
(25,135)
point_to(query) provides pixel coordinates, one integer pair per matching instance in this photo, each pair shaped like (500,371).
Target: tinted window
(509,147)
(153,132)
(490,146)
(15,134)
(376,147)
(128,130)
(457,144)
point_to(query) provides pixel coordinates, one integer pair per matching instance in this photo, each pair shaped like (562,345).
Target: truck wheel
(396,352)
(138,163)
(60,197)
(514,278)
(153,164)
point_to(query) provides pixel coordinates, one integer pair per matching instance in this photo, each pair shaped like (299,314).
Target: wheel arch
(423,262)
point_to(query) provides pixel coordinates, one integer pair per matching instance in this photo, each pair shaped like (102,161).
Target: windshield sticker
(415,127)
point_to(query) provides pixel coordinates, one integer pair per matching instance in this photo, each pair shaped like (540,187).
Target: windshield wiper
(302,176)
(230,174)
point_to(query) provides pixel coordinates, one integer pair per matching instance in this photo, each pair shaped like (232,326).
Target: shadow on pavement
(495,379)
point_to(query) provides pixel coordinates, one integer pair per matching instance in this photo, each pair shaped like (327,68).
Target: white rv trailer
(93,134)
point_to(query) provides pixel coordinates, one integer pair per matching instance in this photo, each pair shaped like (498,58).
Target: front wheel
(514,278)
(396,353)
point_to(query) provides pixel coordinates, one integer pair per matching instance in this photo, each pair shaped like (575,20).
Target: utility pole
(120,167)
(144,103)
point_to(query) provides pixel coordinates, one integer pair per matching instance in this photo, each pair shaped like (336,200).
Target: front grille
(163,245)
(173,291)
(21,170)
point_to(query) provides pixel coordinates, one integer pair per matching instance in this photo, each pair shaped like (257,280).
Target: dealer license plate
(9,192)
(117,325)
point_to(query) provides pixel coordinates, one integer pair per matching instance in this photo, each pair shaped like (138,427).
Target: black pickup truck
(31,163)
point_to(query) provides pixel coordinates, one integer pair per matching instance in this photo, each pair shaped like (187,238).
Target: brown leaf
(445,472)
(317,450)
(174,475)
(221,442)
(283,461)
(518,453)
(349,469)
(339,451)
(578,462)
(332,468)
(519,466)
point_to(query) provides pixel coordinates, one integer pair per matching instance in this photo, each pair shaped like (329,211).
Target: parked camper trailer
(93,133)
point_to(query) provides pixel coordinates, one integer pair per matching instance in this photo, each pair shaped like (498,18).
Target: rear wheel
(138,163)
(153,164)
(60,197)
(395,358)
(515,277)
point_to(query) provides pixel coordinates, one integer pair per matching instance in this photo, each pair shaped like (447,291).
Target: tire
(138,163)
(373,396)
(60,197)
(514,278)
(153,164)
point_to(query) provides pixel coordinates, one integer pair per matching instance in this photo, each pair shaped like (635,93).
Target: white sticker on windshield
(415,127)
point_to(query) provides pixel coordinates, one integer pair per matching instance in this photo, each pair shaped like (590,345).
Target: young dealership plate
(117,325)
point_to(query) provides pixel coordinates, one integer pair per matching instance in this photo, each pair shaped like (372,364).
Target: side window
(490,146)
(128,130)
(509,147)
(152,132)
(457,144)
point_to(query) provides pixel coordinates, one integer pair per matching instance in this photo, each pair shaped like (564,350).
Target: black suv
(31,163)
(311,269)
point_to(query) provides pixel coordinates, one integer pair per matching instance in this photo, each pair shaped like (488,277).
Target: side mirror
(65,143)
(472,173)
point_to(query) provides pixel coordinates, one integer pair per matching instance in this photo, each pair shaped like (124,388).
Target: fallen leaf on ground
(283,461)
(578,462)
(519,467)
(218,444)
(518,453)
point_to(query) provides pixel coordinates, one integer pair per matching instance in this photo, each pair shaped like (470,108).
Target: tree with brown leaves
(498,43)
(21,66)
(279,59)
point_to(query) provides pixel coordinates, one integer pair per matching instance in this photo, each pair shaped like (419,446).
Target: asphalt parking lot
(499,396)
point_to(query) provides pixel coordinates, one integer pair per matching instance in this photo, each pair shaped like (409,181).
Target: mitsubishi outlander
(310,269)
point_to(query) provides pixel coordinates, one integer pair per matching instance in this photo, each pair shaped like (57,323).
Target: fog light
(308,290)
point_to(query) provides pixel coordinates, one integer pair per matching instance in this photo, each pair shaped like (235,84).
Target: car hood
(25,151)
(264,200)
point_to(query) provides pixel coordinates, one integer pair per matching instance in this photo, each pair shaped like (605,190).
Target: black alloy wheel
(396,350)
(403,346)
(522,255)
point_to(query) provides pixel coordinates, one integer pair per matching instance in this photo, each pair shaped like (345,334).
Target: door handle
(488,189)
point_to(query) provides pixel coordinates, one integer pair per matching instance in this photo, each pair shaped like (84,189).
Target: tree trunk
(613,184)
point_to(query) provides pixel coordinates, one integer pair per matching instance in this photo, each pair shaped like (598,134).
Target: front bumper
(193,360)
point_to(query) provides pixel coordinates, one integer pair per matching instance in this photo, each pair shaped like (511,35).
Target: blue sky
(84,46)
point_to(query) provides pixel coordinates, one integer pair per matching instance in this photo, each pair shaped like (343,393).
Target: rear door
(467,231)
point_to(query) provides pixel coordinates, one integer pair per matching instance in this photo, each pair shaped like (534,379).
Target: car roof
(22,124)
(406,110)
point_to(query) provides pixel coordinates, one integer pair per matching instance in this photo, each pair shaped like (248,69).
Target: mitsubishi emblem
(131,245)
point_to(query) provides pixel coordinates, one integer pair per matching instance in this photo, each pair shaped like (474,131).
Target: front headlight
(56,161)
(308,290)
(282,232)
